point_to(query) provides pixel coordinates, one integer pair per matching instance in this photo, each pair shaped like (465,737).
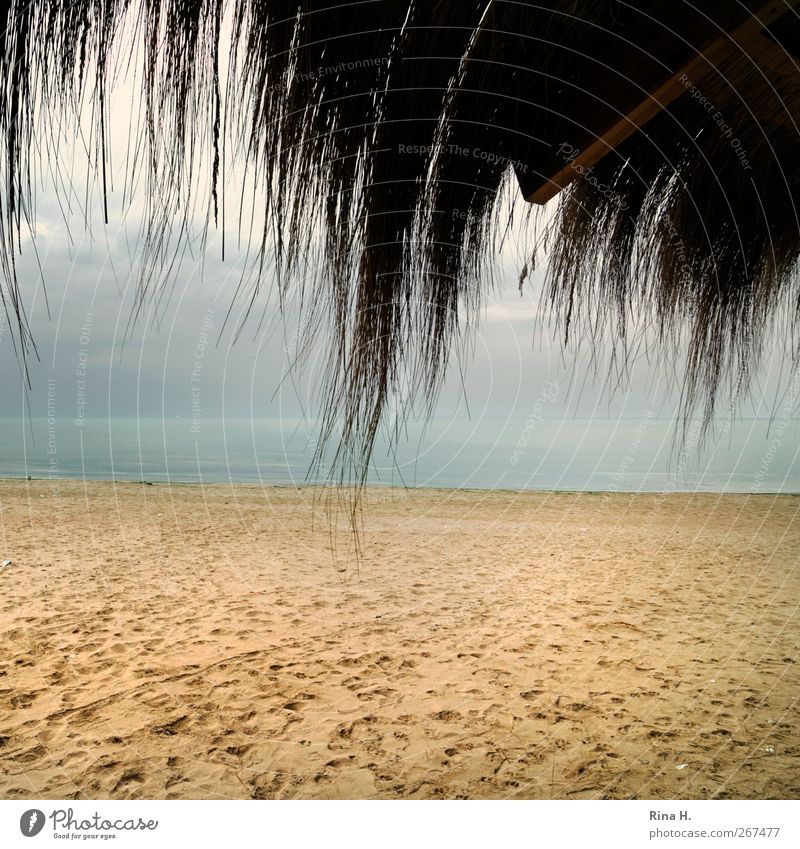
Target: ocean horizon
(634,454)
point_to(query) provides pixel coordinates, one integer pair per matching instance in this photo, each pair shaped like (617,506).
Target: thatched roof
(391,126)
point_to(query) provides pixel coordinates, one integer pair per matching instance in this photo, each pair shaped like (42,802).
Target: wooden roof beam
(747,36)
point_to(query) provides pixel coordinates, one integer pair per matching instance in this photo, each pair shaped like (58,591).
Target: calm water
(570,454)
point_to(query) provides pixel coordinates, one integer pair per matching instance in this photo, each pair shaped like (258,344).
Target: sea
(643,454)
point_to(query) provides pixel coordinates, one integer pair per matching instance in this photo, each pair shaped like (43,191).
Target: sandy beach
(201,642)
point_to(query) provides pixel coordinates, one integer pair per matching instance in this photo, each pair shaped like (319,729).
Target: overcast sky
(85,267)
(146,369)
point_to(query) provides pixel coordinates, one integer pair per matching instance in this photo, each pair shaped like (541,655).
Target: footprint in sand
(530,695)
(23,700)
(446,715)
(132,776)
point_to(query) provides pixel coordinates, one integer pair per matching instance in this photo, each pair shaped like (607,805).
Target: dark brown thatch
(374,122)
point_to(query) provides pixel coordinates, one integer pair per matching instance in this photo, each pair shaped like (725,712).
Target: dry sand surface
(183,642)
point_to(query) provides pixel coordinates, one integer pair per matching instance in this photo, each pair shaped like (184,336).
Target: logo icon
(31,822)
